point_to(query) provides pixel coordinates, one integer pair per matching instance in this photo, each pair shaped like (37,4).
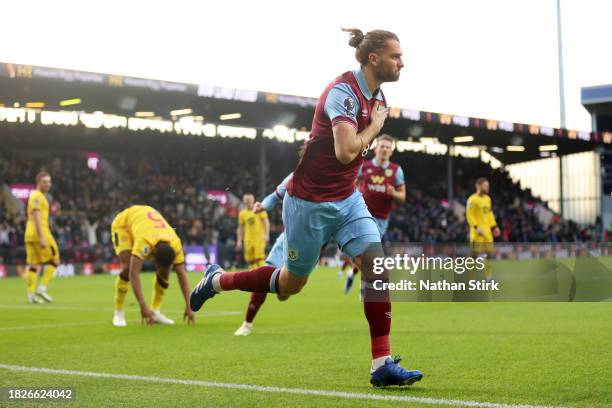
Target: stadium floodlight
(16,105)
(35,105)
(69,102)
(548,148)
(144,114)
(513,148)
(463,139)
(230,116)
(179,112)
(496,149)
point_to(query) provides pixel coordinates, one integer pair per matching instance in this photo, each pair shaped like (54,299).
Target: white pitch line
(267,389)
(48,326)
(102,309)
(75,324)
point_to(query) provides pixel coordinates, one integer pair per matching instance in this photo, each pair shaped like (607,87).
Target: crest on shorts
(293,254)
(349,106)
(388,173)
(145,250)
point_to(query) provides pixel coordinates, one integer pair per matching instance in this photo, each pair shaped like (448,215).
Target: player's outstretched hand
(378,116)
(390,190)
(147,316)
(258,207)
(479,231)
(189,316)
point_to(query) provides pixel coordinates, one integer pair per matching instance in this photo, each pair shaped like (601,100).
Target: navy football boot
(392,374)
(204,289)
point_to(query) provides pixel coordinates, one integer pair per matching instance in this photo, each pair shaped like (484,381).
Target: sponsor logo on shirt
(377,179)
(380,188)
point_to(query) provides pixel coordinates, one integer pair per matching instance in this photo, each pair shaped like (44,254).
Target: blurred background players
(253,233)
(140,232)
(41,248)
(481,221)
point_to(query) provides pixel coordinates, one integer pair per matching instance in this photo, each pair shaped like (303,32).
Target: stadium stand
(85,199)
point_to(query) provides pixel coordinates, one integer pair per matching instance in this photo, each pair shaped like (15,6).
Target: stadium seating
(86,200)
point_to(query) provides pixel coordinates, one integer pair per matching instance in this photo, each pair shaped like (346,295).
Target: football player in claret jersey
(382,184)
(140,232)
(481,221)
(253,233)
(322,204)
(41,249)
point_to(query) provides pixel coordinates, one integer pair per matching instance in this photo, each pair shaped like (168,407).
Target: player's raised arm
(348,143)
(270,201)
(135,269)
(188,315)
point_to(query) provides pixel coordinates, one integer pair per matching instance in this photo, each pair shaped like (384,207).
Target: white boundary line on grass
(279,390)
(49,326)
(76,324)
(108,309)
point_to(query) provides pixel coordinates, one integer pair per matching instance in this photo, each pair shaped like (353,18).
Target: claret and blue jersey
(321,202)
(319,176)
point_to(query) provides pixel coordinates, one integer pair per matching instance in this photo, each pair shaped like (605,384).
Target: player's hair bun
(356,36)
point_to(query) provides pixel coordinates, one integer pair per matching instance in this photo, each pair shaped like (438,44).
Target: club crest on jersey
(388,172)
(293,254)
(349,106)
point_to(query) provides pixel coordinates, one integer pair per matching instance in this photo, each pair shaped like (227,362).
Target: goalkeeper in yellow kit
(41,249)
(481,220)
(140,232)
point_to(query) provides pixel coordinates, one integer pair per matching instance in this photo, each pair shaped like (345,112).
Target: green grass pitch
(554,354)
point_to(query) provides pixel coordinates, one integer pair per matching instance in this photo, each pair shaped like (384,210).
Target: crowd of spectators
(428,216)
(85,199)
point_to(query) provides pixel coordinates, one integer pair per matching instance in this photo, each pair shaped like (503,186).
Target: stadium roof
(60,89)
(597,97)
